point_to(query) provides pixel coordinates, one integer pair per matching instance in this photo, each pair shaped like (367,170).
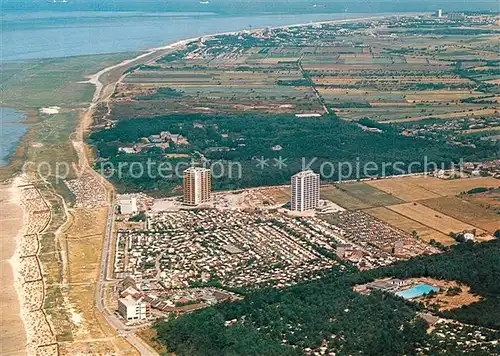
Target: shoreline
(103,91)
(27,122)
(13,217)
(15,260)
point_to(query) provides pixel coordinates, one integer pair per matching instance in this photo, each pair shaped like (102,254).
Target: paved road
(100,296)
(106,81)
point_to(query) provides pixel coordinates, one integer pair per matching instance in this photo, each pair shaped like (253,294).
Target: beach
(12,334)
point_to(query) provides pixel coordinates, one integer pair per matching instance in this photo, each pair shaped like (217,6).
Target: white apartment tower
(131,308)
(197,183)
(305,191)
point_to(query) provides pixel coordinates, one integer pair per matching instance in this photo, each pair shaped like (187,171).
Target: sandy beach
(12,331)
(25,326)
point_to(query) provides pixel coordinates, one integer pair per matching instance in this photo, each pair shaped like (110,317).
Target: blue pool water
(417,291)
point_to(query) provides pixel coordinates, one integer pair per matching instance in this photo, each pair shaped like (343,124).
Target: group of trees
(162,93)
(316,140)
(327,309)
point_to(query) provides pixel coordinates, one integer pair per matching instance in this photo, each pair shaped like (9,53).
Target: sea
(52,34)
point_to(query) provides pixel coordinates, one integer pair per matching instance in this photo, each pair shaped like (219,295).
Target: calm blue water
(11,130)
(417,291)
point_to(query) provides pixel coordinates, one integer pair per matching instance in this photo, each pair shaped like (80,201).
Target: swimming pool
(417,291)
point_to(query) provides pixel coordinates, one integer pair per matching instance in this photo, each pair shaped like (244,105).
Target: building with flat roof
(131,308)
(305,191)
(197,184)
(128,204)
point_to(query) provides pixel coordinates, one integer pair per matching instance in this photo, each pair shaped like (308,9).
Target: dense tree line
(302,140)
(306,314)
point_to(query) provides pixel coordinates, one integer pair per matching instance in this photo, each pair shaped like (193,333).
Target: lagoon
(12,128)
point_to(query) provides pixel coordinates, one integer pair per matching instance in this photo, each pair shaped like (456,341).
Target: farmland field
(342,198)
(402,222)
(453,186)
(431,218)
(466,212)
(488,200)
(355,196)
(368,194)
(403,189)
(357,73)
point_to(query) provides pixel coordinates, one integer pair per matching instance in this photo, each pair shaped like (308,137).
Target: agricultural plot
(258,82)
(382,73)
(342,198)
(387,112)
(430,96)
(403,189)
(488,200)
(467,212)
(432,210)
(339,95)
(432,218)
(452,115)
(408,225)
(454,186)
(426,187)
(394,81)
(354,196)
(369,194)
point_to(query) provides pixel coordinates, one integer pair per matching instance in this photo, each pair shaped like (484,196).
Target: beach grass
(53,82)
(34,84)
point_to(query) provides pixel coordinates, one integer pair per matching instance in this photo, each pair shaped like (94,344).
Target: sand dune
(12,330)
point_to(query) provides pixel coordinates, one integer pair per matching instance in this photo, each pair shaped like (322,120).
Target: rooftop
(197,169)
(306,173)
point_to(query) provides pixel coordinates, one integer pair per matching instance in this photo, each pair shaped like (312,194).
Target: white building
(440,13)
(305,191)
(131,308)
(197,185)
(469,236)
(128,204)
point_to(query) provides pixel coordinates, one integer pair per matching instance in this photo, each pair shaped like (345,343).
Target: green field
(49,82)
(34,84)
(355,196)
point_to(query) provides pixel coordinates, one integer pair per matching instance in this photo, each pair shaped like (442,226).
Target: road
(105,82)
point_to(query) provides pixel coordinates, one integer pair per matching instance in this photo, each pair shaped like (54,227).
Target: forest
(324,142)
(287,321)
